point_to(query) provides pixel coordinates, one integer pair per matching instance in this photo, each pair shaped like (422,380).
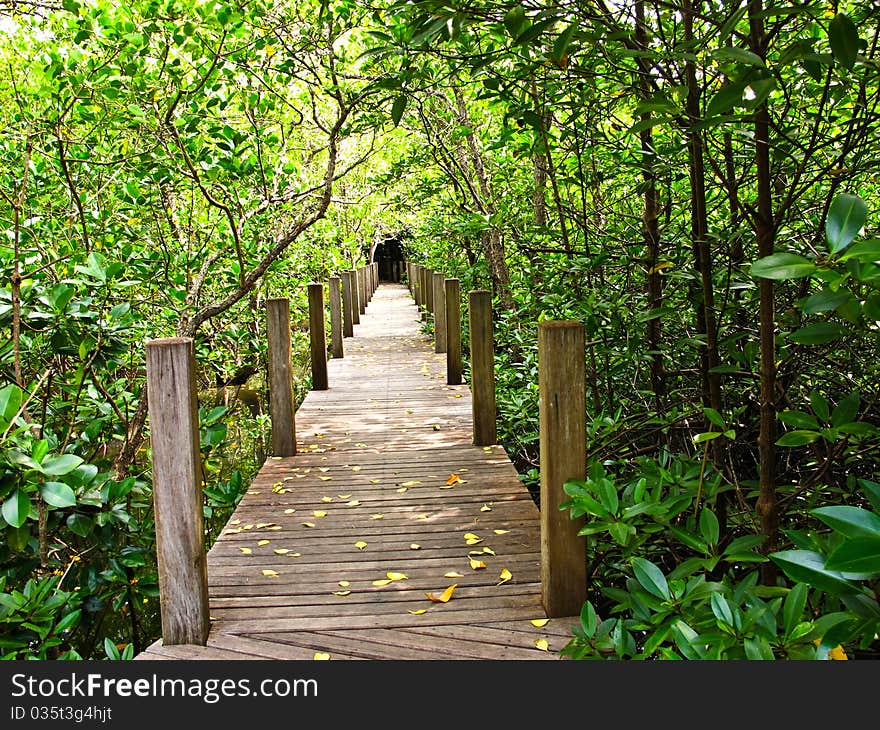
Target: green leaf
(738,55)
(844,40)
(807,566)
(714,417)
(757,649)
(60,465)
(849,521)
(798,437)
(825,301)
(706,436)
(589,621)
(721,609)
(10,401)
(514,20)
(563,40)
(793,606)
(650,577)
(818,333)
(798,419)
(846,411)
(819,404)
(782,266)
(57,494)
(69,620)
(865,251)
(846,216)
(692,541)
(688,641)
(397,109)
(872,491)
(709,527)
(727,98)
(16,508)
(79,524)
(857,555)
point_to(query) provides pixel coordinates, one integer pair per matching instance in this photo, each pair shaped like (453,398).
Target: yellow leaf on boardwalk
(418,611)
(289,511)
(376,517)
(476,564)
(341,593)
(296,555)
(319,513)
(443,597)
(375,481)
(505,576)
(326,499)
(262,542)
(453,479)
(325,479)
(453,574)
(234,522)
(353,503)
(410,483)
(401,490)
(415,546)
(344,584)
(485,508)
(382,582)
(246,551)
(324,468)
(344,496)
(539,622)
(471,536)
(281,551)
(321,655)
(542,644)
(270,573)
(308,524)
(500,532)
(274,528)
(360,545)
(355,468)
(396,576)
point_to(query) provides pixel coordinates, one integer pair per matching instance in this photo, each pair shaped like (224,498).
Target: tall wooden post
(177,491)
(317,336)
(336,316)
(362,289)
(355,298)
(429,290)
(347,321)
(482,367)
(280,379)
(417,284)
(452,297)
(423,287)
(439,313)
(563,443)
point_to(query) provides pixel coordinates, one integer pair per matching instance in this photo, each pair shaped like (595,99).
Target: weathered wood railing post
(281,401)
(452,296)
(429,290)
(439,313)
(482,367)
(375,266)
(347,308)
(362,289)
(355,298)
(317,336)
(563,443)
(336,316)
(177,491)
(423,295)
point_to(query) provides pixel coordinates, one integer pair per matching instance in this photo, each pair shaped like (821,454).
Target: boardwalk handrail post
(482,367)
(317,336)
(562,409)
(177,492)
(347,320)
(423,288)
(452,297)
(362,289)
(439,313)
(281,408)
(429,290)
(336,316)
(355,298)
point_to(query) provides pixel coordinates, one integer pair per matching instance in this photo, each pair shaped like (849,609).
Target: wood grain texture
(386,480)
(177,496)
(355,298)
(439,312)
(452,299)
(317,336)
(563,439)
(280,378)
(347,317)
(335,295)
(482,367)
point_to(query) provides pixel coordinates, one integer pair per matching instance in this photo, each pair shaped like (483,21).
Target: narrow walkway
(333,551)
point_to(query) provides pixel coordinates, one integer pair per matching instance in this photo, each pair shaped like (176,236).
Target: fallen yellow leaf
(319,655)
(270,573)
(542,644)
(401,490)
(539,622)
(505,576)
(360,545)
(453,574)
(341,593)
(476,564)
(355,468)
(324,468)
(262,542)
(453,478)
(376,517)
(319,513)
(421,517)
(396,576)
(344,584)
(473,542)
(471,536)
(308,524)
(415,546)
(443,597)
(418,611)
(274,528)
(485,508)
(500,532)
(382,582)
(281,551)
(289,511)
(246,551)
(325,479)
(411,483)
(353,503)
(234,522)
(375,481)
(326,499)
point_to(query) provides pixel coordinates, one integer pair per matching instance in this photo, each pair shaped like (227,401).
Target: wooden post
(375,276)
(563,443)
(355,298)
(453,331)
(280,380)
(347,321)
(317,336)
(429,290)
(177,491)
(362,289)
(417,284)
(439,313)
(423,287)
(336,316)
(482,367)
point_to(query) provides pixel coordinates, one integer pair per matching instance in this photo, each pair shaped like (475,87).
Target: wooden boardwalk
(331,553)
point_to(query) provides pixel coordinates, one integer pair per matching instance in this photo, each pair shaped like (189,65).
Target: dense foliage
(694,181)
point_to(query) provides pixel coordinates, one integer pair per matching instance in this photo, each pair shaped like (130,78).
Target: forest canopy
(695,181)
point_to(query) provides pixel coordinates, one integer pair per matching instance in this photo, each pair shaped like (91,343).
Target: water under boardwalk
(333,551)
